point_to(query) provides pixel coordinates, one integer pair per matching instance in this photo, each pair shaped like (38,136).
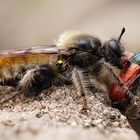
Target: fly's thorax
(68,39)
(79,49)
(78,40)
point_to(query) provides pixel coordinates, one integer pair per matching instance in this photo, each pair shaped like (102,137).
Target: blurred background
(25,23)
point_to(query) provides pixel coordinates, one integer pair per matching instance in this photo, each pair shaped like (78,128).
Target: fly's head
(113,50)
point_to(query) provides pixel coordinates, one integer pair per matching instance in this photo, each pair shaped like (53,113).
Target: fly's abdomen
(14,62)
(28,59)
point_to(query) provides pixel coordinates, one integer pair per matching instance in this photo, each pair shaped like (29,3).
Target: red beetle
(123,93)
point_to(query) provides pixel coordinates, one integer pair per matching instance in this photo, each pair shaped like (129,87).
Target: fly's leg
(35,80)
(10,78)
(40,78)
(88,83)
(78,79)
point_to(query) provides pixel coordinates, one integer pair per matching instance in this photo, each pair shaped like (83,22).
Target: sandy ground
(55,114)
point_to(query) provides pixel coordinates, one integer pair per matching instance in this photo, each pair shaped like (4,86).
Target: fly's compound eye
(114,45)
(112,52)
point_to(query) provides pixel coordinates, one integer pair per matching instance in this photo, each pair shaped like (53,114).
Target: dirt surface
(55,114)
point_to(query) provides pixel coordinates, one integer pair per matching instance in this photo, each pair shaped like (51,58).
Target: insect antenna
(122,32)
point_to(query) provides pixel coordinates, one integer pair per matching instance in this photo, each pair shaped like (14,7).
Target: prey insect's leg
(80,85)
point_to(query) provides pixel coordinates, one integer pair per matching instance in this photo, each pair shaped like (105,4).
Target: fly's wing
(34,55)
(35,49)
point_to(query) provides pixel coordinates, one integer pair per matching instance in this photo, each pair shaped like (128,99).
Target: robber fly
(34,69)
(77,56)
